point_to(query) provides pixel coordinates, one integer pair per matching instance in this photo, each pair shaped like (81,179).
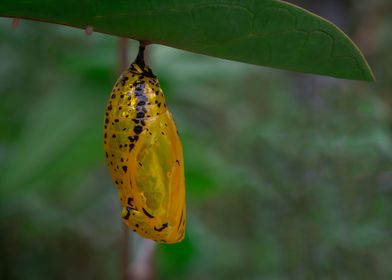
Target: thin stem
(140,56)
(125,242)
(123,59)
(125,248)
(143,267)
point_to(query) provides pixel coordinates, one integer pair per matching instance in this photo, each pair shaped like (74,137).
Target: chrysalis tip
(140,56)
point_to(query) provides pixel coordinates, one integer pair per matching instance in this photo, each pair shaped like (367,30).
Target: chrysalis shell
(144,155)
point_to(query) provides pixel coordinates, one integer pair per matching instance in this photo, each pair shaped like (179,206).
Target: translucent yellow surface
(144,155)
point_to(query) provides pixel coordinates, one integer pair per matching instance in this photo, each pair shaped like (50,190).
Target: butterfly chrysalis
(144,155)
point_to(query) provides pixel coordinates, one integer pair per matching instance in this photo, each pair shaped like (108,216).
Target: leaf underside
(262,32)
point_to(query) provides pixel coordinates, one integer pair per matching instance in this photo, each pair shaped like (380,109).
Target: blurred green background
(289,176)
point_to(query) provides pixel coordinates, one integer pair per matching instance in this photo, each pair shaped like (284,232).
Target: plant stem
(125,242)
(143,267)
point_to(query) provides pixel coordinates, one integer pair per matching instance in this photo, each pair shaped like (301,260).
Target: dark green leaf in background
(268,32)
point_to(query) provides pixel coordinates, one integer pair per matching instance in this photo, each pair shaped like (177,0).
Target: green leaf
(263,32)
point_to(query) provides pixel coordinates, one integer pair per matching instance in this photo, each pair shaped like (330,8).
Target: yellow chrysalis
(144,155)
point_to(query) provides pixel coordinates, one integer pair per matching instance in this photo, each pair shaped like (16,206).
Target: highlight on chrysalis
(144,155)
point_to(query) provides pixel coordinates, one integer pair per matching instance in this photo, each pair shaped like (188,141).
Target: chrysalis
(144,155)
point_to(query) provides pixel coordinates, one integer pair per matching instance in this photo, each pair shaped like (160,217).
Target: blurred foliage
(289,176)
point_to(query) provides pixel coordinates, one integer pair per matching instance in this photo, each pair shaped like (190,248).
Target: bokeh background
(289,176)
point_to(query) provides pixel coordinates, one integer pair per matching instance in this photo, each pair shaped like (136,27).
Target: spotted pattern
(144,154)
